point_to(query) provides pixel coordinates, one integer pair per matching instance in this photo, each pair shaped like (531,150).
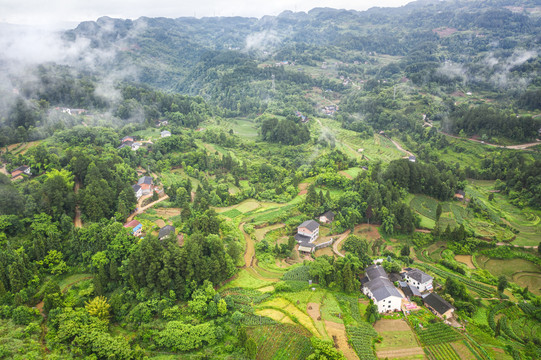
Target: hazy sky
(54,12)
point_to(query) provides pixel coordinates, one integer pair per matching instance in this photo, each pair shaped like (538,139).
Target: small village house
(136,226)
(165,133)
(460,195)
(378,287)
(419,279)
(21,170)
(307,233)
(128,138)
(137,190)
(327,217)
(438,305)
(166,231)
(146,184)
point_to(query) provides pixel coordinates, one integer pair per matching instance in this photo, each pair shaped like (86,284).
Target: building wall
(420,286)
(391,303)
(304,231)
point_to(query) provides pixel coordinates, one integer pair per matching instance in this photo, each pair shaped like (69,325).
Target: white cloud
(54,12)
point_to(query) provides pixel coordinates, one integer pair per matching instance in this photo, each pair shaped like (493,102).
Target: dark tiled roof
(310,225)
(329,215)
(409,290)
(384,291)
(420,276)
(22,168)
(302,238)
(166,230)
(136,187)
(437,303)
(145,180)
(375,271)
(395,277)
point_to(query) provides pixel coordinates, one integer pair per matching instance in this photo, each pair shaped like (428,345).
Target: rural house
(417,278)
(307,233)
(146,184)
(412,158)
(438,305)
(137,227)
(378,287)
(138,191)
(460,195)
(21,170)
(128,138)
(165,231)
(327,217)
(165,133)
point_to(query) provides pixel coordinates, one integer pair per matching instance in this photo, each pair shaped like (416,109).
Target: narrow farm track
(525,146)
(250,262)
(338,334)
(400,148)
(337,242)
(77,220)
(141,210)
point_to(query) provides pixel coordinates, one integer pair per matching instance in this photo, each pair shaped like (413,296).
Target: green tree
(502,283)
(439,210)
(98,307)
(251,348)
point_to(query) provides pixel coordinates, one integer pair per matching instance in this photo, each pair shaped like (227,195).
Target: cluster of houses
(330,110)
(129,141)
(304,118)
(137,229)
(379,286)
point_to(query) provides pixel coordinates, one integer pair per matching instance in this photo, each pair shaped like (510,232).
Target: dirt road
(77,220)
(250,247)
(525,146)
(338,241)
(400,148)
(142,209)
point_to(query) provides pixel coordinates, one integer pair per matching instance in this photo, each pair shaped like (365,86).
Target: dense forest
(152,190)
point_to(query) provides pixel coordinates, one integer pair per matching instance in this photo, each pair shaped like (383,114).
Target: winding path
(77,220)
(399,147)
(525,146)
(142,209)
(337,242)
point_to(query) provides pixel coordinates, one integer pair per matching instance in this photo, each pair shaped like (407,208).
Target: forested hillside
(155,177)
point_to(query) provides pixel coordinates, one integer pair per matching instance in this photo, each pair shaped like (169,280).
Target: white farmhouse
(417,278)
(307,233)
(378,287)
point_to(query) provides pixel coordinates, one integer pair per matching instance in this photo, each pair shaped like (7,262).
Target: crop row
(479,352)
(362,338)
(526,328)
(437,334)
(301,273)
(353,304)
(482,290)
(441,352)
(508,330)
(496,309)
(280,341)
(253,320)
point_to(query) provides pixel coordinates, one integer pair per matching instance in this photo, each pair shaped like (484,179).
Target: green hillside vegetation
(416,126)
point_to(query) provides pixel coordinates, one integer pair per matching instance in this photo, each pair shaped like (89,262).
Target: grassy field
(283,341)
(148,134)
(527,221)
(522,272)
(294,313)
(244,127)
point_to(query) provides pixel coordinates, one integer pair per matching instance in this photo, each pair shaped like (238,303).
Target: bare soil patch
(168,212)
(346,174)
(338,333)
(303,187)
(391,325)
(465,259)
(382,354)
(313,310)
(160,223)
(370,232)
